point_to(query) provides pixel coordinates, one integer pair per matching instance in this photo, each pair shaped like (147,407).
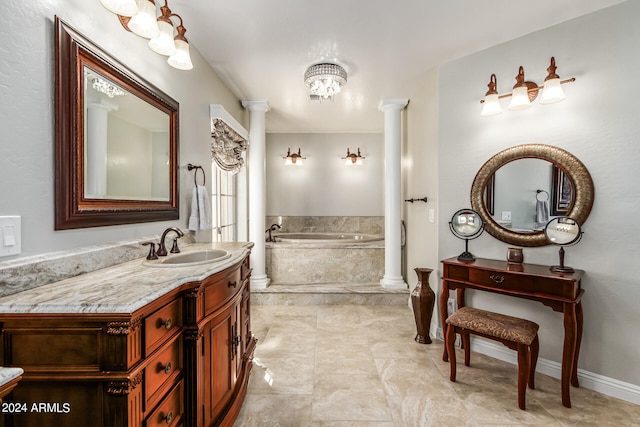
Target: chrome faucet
(162,249)
(273,227)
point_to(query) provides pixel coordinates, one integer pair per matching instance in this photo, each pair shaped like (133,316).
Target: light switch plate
(10,237)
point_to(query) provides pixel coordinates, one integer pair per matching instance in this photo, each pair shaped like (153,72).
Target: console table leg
(444,297)
(574,373)
(568,351)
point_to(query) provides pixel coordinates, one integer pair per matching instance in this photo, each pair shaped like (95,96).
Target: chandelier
(325,80)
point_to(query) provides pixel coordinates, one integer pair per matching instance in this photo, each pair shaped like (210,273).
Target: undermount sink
(191,258)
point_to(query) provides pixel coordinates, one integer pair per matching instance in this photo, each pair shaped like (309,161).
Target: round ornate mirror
(467,225)
(566,179)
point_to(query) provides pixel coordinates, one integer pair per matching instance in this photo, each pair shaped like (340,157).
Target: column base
(260,282)
(387,283)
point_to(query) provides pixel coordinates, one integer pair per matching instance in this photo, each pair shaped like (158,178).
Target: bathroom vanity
(136,344)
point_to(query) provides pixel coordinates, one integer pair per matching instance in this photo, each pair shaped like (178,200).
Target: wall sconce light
(293,159)
(353,158)
(140,18)
(524,92)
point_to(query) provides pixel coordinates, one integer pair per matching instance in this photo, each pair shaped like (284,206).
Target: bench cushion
(495,325)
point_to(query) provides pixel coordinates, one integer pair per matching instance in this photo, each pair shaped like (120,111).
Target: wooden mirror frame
(565,161)
(73,52)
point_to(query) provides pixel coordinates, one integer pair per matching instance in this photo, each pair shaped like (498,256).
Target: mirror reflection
(523,194)
(126,143)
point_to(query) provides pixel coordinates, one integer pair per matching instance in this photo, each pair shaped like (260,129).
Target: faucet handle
(174,248)
(152,250)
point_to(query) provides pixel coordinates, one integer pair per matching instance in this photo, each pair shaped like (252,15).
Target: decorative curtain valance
(226,146)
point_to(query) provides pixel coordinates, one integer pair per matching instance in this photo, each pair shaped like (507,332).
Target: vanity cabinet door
(220,358)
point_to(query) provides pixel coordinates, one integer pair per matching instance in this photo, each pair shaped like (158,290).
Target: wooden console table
(561,292)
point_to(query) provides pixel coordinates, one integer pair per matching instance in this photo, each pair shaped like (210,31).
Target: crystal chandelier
(106,87)
(325,80)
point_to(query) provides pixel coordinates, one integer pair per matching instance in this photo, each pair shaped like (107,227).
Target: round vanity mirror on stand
(562,231)
(467,225)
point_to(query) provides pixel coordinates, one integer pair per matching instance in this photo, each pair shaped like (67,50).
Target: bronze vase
(422,300)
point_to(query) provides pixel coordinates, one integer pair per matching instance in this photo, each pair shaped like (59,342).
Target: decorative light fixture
(293,159)
(121,7)
(524,92)
(353,158)
(325,80)
(106,87)
(142,21)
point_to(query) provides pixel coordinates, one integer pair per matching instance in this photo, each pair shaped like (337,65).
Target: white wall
(323,185)
(420,179)
(26,115)
(598,123)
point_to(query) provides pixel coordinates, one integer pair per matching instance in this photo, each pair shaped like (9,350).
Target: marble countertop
(122,288)
(8,374)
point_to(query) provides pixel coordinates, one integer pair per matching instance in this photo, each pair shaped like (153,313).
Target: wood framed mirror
(116,140)
(550,160)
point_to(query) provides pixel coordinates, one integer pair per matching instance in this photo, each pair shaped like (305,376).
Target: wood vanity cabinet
(181,360)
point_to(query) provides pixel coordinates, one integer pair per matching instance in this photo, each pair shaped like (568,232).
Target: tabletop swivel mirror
(467,225)
(562,231)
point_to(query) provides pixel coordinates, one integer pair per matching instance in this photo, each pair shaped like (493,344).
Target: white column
(257,191)
(392,109)
(96,147)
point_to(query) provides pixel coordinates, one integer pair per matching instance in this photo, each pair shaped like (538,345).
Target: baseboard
(589,380)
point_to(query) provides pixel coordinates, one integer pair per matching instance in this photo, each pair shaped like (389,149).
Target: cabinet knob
(166,368)
(168,323)
(233,284)
(168,418)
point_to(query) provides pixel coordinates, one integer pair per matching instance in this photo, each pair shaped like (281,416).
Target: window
(224,210)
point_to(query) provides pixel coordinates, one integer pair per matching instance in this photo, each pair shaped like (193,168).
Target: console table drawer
(502,280)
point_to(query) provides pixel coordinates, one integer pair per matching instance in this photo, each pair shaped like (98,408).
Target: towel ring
(195,174)
(542,191)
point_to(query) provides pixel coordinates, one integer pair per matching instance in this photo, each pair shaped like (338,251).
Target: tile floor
(358,365)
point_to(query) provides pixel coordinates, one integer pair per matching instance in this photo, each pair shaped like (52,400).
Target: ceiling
(261,48)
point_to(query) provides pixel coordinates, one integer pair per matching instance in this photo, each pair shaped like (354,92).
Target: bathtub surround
(328,224)
(392,109)
(257,190)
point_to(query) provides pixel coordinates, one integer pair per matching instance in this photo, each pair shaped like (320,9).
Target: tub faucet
(273,227)
(162,249)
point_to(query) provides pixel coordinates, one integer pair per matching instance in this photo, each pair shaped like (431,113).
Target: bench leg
(451,342)
(534,348)
(466,344)
(523,373)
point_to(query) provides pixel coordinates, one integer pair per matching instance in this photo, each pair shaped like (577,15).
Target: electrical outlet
(451,306)
(432,215)
(506,215)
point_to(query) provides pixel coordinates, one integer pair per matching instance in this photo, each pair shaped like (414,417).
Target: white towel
(542,212)
(200,218)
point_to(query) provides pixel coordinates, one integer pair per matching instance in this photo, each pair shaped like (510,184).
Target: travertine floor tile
(359,366)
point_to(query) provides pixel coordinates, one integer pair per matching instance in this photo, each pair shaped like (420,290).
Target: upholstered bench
(517,334)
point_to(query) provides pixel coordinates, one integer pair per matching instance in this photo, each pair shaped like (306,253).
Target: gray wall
(26,115)
(598,123)
(323,185)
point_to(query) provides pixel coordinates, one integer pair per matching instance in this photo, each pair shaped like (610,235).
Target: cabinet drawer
(162,369)
(161,324)
(502,280)
(169,411)
(222,290)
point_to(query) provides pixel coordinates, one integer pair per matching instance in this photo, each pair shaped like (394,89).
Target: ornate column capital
(258,105)
(387,104)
